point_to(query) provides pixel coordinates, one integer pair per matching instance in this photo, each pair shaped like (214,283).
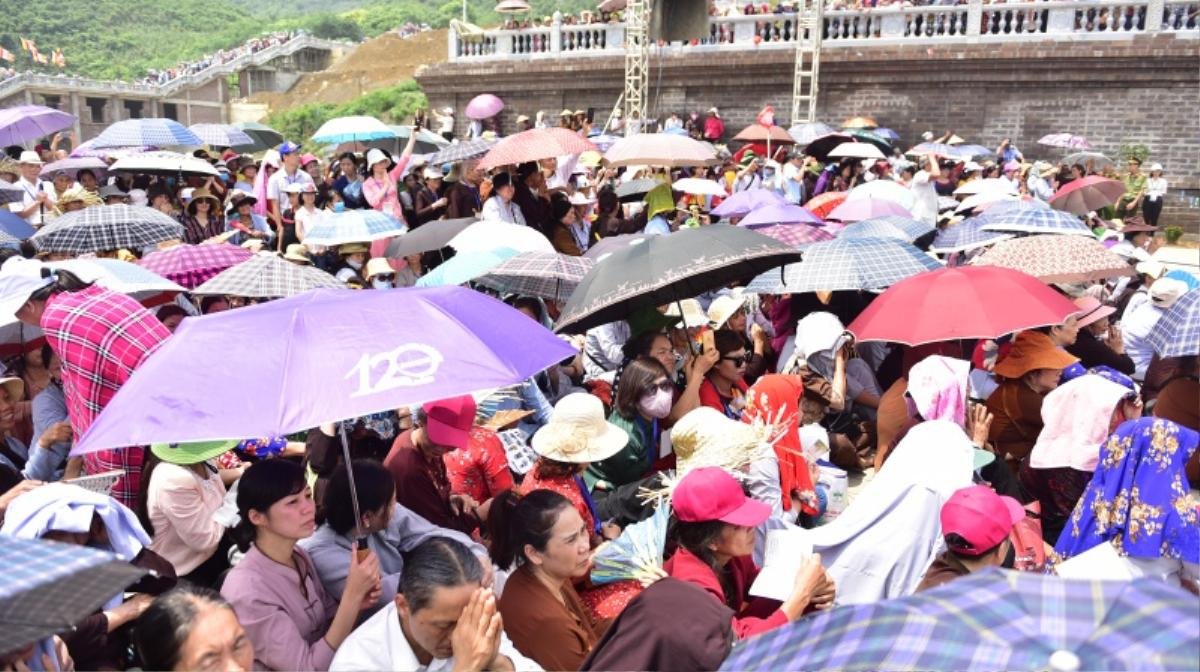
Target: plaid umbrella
(352,226)
(462,151)
(1065,140)
(534,145)
(904,229)
(846,264)
(266,276)
(966,235)
(795,234)
(806,133)
(428,237)
(149,131)
(86,149)
(1035,219)
(10,193)
(193,265)
(221,135)
(48,587)
(662,269)
(1177,332)
(1057,258)
(546,275)
(993,620)
(107,227)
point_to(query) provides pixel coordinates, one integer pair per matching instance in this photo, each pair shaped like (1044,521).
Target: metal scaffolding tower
(637,63)
(810,25)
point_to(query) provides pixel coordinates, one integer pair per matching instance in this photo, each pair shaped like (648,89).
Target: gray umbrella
(634,190)
(462,151)
(429,236)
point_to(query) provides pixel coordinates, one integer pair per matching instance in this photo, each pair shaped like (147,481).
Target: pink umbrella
(795,234)
(483,106)
(192,265)
(1087,194)
(659,149)
(534,145)
(1065,140)
(781,213)
(867,208)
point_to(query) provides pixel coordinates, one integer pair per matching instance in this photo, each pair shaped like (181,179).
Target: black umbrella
(822,146)
(669,268)
(879,141)
(427,237)
(634,190)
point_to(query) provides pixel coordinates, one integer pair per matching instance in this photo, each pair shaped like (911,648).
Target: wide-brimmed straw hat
(578,433)
(79,194)
(724,307)
(1032,350)
(297,252)
(705,437)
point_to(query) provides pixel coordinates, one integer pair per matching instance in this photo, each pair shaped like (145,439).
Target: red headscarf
(775,399)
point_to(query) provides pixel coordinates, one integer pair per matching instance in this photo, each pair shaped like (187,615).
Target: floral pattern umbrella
(1057,258)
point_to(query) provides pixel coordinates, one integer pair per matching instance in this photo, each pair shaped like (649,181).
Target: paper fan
(637,554)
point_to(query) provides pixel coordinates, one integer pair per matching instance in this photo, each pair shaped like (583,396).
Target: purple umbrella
(483,106)
(867,208)
(784,213)
(86,149)
(29,122)
(73,165)
(330,354)
(741,203)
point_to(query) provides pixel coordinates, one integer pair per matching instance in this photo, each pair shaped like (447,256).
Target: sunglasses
(663,386)
(740,360)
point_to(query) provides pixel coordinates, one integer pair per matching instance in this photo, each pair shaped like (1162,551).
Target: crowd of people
(463,531)
(220,57)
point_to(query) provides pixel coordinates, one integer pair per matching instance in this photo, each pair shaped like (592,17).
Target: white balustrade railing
(114,88)
(973,21)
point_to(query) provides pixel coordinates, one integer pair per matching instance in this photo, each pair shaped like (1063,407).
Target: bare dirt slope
(382,61)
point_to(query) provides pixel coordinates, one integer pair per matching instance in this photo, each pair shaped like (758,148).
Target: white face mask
(381,284)
(657,405)
(354,263)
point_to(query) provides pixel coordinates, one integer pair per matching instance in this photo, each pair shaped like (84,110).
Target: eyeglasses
(738,361)
(661,386)
(386,278)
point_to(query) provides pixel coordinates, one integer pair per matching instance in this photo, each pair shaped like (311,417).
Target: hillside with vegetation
(121,39)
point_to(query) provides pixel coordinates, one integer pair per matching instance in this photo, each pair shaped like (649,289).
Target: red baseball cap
(449,421)
(710,493)
(980,516)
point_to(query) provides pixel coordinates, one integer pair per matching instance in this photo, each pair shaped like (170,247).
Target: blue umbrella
(142,132)
(48,587)
(466,266)
(993,620)
(29,122)
(966,235)
(353,226)
(14,226)
(846,264)
(896,227)
(887,134)
(1177,332)
(352,129)
(1034,219)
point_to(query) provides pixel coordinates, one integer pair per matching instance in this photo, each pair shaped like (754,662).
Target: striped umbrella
(1035,219)
(546,275)
(1057,258)
(149,131)
(266,276)
(904,229)
(534,145)
(795,235)
(462,151)
(1177,332)
(846,264)
(221,135)
(193,265)
(106,228)
(993,620)
(352,226)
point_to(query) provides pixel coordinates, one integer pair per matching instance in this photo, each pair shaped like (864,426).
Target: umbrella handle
(353,488)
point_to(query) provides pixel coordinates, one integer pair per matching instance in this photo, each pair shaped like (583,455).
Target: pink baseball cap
(307,159)
(980,516)
(710,493)
(449,421)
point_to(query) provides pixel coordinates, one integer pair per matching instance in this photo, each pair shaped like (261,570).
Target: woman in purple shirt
(275,591)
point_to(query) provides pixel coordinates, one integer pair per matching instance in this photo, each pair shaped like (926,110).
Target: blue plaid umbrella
(1034,219)
(846,264)
(466,266)
(896,227)
(143,132)
(966,235)
(353,226)
(1177,332)
(222,135)
(47,587)
(993,620)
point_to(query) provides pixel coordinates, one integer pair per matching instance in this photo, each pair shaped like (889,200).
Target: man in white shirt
(289,174)
(1040,187)
(442,619)
(37,196)
(925,205)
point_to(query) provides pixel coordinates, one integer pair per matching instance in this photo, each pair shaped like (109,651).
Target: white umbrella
(987,199)
(659,149)
(856,150)
(700,187)
(119,276)
(998,184)
(883,189)
(486,236)
(164,163)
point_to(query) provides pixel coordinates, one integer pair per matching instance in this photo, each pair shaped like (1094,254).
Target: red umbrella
(987,302)
(1087,194)
(534,145)
(823,204)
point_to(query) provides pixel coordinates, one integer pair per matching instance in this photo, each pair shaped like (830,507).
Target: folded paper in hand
(786,551)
